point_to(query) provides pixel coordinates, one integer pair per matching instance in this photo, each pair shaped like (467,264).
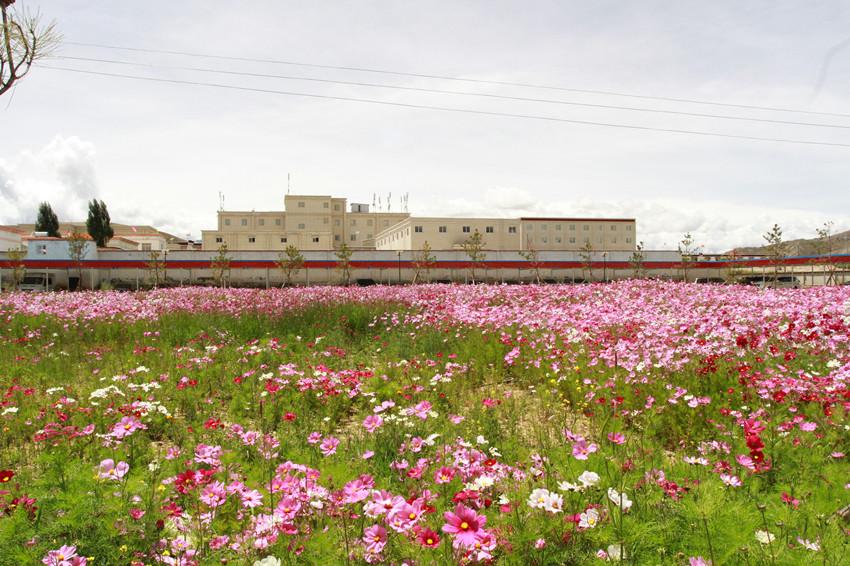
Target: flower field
(637,422)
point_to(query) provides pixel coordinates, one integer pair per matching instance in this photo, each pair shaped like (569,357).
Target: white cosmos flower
(589,479)
(567,486)
(268,561)
(589,519)
(621,500)
(809,545)
(764,537)
(537,498)
(616,552)
(554,503)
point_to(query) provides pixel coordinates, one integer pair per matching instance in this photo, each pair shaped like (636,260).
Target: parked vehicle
(37,282)
(714,280)
(766,281)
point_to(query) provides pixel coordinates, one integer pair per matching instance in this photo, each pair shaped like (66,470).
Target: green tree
(156,267)
(585,254)
(825,249)
(47,221)
(77,251)
(532,256)
(687,251)
(290,262)
(423,261)
(343,263)
(220,266)
(98,223)
(637,261)
(24,39)
(19,270)
(776,249)
(474,248)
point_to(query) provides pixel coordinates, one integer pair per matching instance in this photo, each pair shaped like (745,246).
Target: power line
(450,109)
(458,93)
(459,79)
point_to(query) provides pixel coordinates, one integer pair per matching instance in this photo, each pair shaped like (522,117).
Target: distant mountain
(803,247)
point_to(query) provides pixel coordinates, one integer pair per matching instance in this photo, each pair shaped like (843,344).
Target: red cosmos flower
(6,475)
(428,538)
(289,417)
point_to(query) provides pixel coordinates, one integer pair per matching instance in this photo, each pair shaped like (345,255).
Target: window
(277,221)
(252,239)
(262,221)
(545,240)
(336,222)
(558,227)
(573,227)
(586,227)
(244,222)
(417,229)
(227,221)
(543,227)
(219,239)
(511,229)
(629,228)
(283,240)
(315,239)
(628,240)
(572,239)
(336,237)
(325,220)
(146,247)
(601,227)
(613,227)
(442,229)
(353,237)
(466,229)
(368,236)
(336,207)
(558,240)
(325,205)
(488,229)
(300,204)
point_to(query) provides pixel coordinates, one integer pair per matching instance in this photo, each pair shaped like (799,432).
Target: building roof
(119,229)
(568,219)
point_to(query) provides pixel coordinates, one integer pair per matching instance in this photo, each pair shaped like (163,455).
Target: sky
(160,153)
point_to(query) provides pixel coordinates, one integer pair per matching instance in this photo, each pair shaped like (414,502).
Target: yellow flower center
(464,525)
(429,541)
(411,516)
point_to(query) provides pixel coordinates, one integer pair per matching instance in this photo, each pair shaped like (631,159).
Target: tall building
(325,222)
(524,233)
(307,222)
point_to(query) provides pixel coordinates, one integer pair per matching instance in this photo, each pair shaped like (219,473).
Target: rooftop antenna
(220,201)
(373,201)
(406,199)
(380,205)
(389,202)
(287,183)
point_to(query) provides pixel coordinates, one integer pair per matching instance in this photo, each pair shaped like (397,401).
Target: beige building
(307,222)
(543,234)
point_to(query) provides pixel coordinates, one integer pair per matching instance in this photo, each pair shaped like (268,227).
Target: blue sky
(160,153)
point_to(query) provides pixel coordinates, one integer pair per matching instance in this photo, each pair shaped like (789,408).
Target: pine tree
(98,223)
(47,220)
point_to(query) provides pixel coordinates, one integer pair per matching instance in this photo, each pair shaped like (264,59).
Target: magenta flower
(328,446)
(109,471)
(581,449)
(214,494)
(64,556)
(127,426)
(616,437)
(444,475)
(375,538)
(465,525)
(207,454)
(421,410)
(372,423)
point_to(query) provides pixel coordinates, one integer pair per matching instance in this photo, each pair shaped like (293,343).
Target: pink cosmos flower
(314,438)
(444,475)
(214,494)
(808,426)
(616,437)
(421,410)
(64,556)
(251,498)
(208,454)
(109,471)
(372,423)
(465,525)
(127,426)
(375,538)
(698,561)
(328,446)
(581,449)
